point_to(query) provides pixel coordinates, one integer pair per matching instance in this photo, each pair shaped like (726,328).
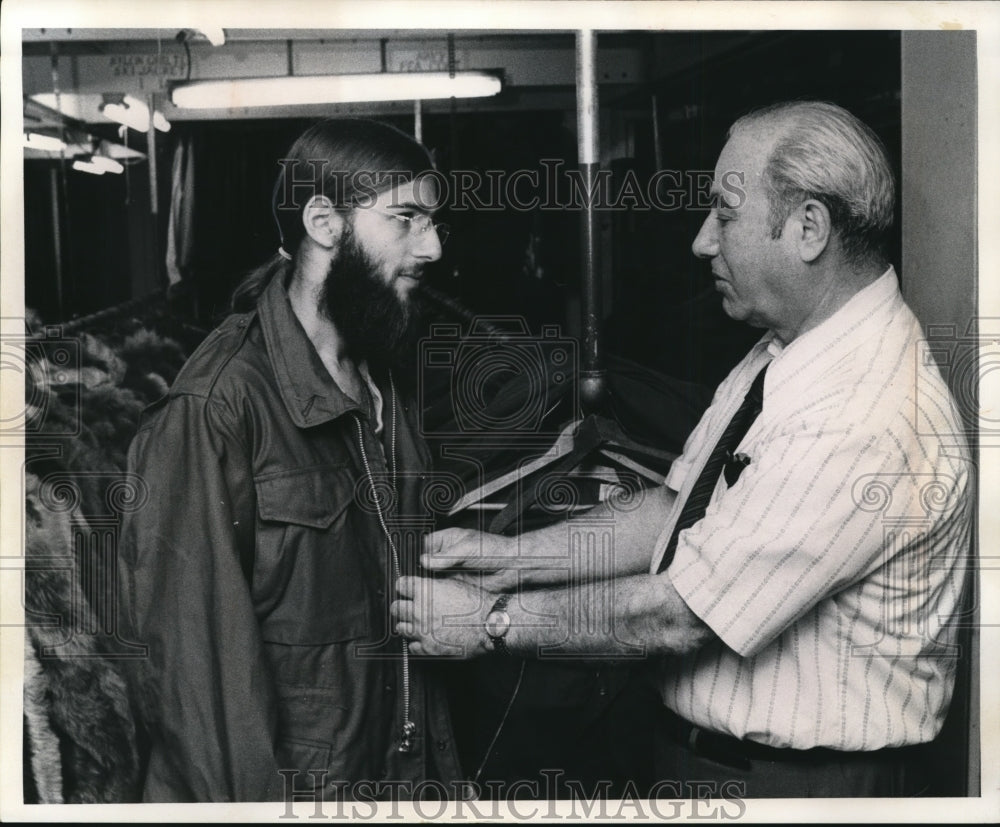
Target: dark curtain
(93,235)
(235,164)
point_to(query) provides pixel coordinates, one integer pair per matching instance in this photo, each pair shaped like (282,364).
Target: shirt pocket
(309,580)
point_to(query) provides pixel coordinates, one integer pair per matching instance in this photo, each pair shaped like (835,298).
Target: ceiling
(538,68)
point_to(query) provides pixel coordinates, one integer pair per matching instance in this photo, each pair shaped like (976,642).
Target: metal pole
(54,174)
(657,152)
(418,122)
(151,152)
(592,377)
(58,185)
(154,192)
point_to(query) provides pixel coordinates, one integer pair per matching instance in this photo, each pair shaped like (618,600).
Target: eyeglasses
(420,223)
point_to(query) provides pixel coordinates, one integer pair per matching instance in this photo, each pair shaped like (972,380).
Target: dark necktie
(722,455)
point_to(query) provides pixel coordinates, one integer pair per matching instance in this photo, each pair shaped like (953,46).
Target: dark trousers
(720,767)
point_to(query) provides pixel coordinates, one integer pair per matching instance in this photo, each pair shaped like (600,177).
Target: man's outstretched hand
(468,550)
(442,617)
(493,561)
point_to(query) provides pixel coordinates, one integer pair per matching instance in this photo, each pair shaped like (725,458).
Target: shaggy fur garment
(82,739)
(73,696)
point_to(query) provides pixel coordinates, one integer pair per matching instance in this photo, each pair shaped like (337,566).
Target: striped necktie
(722,453)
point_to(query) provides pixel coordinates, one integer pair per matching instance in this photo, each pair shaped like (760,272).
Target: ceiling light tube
(160,121)
(48,143)
(316,89)
(107,164)
(134,114)
(83,165)
(130,112)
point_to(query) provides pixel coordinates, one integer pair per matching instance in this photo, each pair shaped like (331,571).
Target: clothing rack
(81,323)
(438,299)
(446,303)
(138,308)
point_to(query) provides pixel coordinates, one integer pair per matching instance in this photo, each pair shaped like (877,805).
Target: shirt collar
(306,387)
(866,311)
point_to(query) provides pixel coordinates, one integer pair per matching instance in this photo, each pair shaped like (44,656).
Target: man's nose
(706,243)
(427,246)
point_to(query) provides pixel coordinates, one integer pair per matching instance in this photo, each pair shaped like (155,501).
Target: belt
(734,752)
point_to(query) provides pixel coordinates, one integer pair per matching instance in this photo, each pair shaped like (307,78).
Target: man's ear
(323,223)
(813,229)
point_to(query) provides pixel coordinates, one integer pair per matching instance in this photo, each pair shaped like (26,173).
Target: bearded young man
(260,569)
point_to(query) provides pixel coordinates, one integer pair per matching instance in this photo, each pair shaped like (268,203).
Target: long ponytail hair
(344,159)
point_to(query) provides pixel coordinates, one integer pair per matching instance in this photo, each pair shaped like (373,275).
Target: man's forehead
(742,159)
(736,156)
(419,194)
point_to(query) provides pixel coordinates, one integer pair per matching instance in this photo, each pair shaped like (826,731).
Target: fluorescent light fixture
(81,106)
(217,37)
(160,122)
(107,164)
(305,89)
(48,143)
(88,166)
(130,112)
(121,153)
(134,114)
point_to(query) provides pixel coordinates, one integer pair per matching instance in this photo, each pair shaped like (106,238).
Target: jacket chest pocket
(313,570)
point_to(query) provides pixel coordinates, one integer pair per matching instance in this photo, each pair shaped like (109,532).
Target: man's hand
(442,617)
(554,555)
(468,550)
(474,557)
(496,562)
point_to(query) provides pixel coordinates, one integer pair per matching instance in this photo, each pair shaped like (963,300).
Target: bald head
(822,151)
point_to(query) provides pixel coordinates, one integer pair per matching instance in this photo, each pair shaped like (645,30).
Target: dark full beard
(375,324)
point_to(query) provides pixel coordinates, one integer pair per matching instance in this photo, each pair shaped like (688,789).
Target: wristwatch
(497,624)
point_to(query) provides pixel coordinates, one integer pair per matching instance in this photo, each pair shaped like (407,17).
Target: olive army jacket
(258,574)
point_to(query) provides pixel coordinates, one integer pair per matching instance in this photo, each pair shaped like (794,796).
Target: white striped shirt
(832,569)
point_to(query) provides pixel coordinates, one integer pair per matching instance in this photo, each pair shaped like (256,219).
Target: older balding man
(797,581)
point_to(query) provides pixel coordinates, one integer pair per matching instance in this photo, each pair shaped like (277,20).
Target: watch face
(497,624)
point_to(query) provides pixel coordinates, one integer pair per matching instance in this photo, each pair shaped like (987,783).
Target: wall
(939,271)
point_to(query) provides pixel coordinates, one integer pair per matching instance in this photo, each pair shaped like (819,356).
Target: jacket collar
(306,387)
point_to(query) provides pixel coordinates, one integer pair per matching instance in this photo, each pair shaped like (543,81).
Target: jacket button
(389,688)
(442,744)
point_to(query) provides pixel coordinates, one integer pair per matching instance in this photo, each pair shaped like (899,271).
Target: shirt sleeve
(788,534)
(188,600)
